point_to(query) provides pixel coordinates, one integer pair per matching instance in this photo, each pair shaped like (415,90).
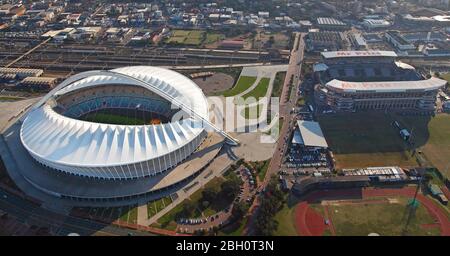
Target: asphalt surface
(295,66)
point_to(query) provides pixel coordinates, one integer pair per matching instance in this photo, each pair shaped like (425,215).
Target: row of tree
(270,203)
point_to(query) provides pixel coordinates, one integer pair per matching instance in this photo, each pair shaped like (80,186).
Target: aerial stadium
(126,133)
(372,80)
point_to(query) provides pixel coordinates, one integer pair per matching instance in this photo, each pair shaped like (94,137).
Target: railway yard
(72,57)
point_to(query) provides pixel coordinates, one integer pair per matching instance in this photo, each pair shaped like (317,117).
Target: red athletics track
(307,224)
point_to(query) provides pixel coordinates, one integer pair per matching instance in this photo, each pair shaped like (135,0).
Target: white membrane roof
(63,140)
(310,134)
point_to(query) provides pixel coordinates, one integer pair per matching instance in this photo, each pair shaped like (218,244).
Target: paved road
(29,213)
(294,69)
(286,104)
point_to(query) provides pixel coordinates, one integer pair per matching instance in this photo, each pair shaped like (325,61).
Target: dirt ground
(215,83)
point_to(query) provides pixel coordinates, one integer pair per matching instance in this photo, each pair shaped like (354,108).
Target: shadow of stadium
(373,132)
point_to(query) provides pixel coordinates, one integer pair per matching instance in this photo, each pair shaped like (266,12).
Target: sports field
(369,139)
(432,136)
(365,139)
(388,217)
(385,215)
(112,119)
(286,219)
(188,37)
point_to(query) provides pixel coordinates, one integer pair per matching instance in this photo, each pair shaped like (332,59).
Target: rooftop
(309,134)
(330,21)
(391,86)
(350,54)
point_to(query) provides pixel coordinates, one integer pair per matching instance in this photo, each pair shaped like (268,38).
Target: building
(398,41)
(372,38)
(309,134)
(372,80)
(379,174)
(22,72)
(303,185)
(358,42)
(372,24)
(437,192)
(38,83)
(425,37)
(325,41)
(232,44)
(81,156)
(425,21)
(328,23)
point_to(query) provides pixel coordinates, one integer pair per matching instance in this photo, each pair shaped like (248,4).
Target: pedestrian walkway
(142,214)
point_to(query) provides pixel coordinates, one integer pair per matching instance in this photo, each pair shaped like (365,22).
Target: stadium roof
(309,134)
(390,86)
(58,139)
(350,54)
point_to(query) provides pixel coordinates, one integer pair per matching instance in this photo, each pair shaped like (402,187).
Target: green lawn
(193,41)
(242,84)
(167,221)
(365,139)
(235,229)
(252,112)
(445,76)
(361,219)
(433,137)
(154,207)
(278,125)
(10,98)
(260,90)
(286,221)
(112,119)
(301,101)
(278,84)
(181,33)
(368,139)
(388,219)
(213,37)
(129,214)
(262,172)
(188,37)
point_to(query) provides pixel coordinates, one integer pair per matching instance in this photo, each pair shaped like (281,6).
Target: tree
(230,188)
(188,209)
(205,204)
(239,210)
(271,202)
(210,194)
